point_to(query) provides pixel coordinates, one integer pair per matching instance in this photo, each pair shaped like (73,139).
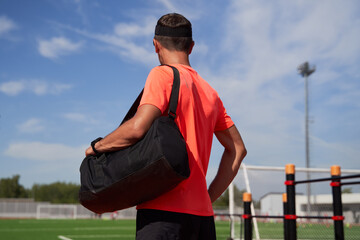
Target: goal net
(56,211)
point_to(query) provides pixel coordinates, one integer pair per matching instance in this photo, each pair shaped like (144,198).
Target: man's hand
(89,151)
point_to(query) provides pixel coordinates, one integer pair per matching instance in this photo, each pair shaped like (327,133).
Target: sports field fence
(295,222)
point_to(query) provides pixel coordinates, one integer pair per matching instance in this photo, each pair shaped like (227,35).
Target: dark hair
(175,21)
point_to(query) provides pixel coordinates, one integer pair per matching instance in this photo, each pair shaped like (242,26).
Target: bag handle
(174,96)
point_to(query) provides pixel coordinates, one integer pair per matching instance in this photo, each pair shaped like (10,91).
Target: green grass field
(96,229)
(32,229)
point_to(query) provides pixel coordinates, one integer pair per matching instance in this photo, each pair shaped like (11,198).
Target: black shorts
(163,225)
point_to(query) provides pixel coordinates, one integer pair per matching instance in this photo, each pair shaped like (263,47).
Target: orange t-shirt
(200,113)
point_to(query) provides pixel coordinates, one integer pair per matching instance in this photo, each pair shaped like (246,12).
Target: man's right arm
(234,153)
(128,133)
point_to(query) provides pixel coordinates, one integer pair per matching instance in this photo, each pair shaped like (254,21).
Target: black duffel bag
(154,165)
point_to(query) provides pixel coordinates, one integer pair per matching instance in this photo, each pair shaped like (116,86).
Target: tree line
(57,192)
(62,192)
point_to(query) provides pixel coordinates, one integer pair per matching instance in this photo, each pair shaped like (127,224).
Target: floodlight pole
(308,186)
(305,71)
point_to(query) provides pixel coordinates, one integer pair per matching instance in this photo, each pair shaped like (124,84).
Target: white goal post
(57,211)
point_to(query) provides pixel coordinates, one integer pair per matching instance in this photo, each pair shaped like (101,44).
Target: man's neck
(174,57)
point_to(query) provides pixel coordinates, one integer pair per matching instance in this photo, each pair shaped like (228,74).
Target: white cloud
(344,153)
(80,118)
(6,25)
(263,43)
(40,151)
(12,88)
(200,49)
(38,87)
(77,117)
(80,11)
(270,39)
(128,40)
(33,125)
(57,46)
(126,48)
(135,30)
(168,4)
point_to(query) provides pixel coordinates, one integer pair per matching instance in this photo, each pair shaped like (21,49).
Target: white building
(321,205)
(271,204)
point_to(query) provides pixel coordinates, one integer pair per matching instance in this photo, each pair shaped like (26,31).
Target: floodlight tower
(305,71)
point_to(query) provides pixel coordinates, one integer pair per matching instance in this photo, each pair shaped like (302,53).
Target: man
(186,211)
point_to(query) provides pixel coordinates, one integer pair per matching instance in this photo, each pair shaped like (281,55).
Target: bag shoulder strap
(133,108)
(174,96)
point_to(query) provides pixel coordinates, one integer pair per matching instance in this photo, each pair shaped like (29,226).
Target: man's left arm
(129,132)
(234,153)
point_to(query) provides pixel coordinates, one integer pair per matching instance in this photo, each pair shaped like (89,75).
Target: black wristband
(93,145)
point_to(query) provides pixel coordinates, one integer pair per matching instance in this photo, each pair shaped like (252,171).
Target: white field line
(108,236)
(103,228)
(63,238)
(63,229)
(33,229)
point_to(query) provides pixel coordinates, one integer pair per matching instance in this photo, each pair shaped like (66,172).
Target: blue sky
(70,69)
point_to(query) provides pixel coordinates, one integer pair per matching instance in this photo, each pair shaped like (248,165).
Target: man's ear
(191,47)
(157,45)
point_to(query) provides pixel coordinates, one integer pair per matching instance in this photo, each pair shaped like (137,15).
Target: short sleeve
(223,121)
(157,88)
